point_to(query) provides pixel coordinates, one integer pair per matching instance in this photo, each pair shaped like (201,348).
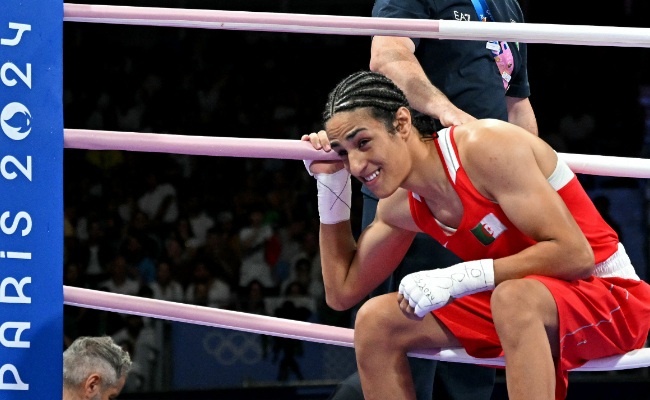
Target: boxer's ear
(403,123)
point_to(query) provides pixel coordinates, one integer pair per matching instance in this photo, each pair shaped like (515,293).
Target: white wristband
(471,277)
(334,195)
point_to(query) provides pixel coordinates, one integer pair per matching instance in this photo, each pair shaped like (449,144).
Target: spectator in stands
(72,276)
(119,282)
(253,301)
(250,197)
(94,368)
(159,201)
(197,294)
(303,278)
(185,234)
(165,288)
(144,268)
(139,225)
(291,238)
(253,239)
(207,290)
(226,221)
(98,252)
(295,289)
(221,257)
(178,259)
(309,251)
(199,220)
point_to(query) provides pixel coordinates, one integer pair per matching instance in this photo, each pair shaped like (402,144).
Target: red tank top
(486,232)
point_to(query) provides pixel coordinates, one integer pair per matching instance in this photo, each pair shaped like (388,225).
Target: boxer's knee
(521,304)
(373,325)
(381,326)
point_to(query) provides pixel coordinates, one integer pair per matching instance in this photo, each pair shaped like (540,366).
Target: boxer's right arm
(352,270)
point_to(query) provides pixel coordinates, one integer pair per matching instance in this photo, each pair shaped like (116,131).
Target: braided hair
(371,90)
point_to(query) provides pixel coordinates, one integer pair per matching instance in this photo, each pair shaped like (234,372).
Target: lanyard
(482,10)
(500,50)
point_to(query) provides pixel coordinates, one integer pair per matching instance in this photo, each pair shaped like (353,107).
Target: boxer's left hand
(406,308)
(429,290)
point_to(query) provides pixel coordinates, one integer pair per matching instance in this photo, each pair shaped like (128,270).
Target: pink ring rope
(193,145)
(296,150)
(293,329)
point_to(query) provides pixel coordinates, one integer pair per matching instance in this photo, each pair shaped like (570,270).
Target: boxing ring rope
(340,25)
(296,150)
(293,329)
(293,149)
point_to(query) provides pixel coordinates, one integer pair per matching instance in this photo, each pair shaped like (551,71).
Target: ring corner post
(31,205)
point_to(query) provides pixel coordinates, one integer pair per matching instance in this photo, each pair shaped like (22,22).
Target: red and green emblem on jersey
(488,229)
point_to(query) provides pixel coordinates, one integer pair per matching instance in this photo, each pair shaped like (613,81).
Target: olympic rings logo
(229,347)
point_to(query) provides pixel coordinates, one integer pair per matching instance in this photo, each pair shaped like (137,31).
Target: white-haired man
(94,368)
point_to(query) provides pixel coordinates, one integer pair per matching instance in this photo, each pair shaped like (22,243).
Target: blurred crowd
(228,233)
(232,233)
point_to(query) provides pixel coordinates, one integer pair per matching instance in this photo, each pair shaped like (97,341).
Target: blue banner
(31,205)
(206,357)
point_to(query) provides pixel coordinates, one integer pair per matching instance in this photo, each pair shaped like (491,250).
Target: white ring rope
(294,329)
(339,25)
(297,150)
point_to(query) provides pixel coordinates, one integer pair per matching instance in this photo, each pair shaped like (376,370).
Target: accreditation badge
(504,60)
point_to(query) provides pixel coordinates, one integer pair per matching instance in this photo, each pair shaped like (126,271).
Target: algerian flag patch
(488,229)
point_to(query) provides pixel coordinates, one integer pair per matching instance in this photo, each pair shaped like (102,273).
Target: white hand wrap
(429,290)
(334,195)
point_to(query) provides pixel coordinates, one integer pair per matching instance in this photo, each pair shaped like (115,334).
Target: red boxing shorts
(599,317)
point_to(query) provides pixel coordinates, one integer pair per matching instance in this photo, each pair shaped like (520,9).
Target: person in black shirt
(455,81)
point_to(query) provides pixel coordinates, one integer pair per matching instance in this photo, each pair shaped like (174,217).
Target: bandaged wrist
(334,196)
(471,277)
(429,290)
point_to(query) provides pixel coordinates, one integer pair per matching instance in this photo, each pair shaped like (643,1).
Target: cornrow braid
(371,90)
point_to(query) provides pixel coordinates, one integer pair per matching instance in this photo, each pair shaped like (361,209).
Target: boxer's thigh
(453,381)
